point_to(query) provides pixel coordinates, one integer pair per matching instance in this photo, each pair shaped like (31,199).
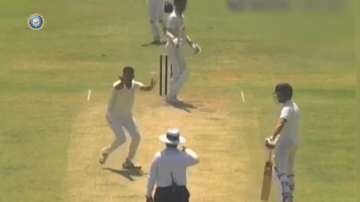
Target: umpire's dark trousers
(169,194)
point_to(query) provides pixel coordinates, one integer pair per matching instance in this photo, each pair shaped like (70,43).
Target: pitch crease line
(89,95)
(243,97)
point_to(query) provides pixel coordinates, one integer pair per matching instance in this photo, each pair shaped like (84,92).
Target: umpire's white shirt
(289,134)
(170,160)
(122,101)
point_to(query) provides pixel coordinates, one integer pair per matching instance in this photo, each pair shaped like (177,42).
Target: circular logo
(36,22)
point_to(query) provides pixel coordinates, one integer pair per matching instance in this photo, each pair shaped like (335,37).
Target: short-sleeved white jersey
(176,26)
(122,101)
(291,112)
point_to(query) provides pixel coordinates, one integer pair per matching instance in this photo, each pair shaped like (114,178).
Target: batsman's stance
(176,35)
(120,117)
(285,141)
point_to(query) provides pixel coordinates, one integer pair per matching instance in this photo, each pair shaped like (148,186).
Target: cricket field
(51,134)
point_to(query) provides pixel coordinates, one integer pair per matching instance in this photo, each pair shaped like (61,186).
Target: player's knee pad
(284,182)
(285,186)
(286,193)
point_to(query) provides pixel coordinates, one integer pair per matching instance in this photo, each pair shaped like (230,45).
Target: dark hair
(177,2)
(284,92)
(171,145)
(128,69)
(168,7)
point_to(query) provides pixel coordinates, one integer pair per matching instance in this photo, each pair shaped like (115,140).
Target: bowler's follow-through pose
(285,141)
(176,36)
(120,117)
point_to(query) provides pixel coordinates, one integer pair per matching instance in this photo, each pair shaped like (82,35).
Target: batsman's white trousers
(284,171)
(118,125)
(157,17)
(179,70)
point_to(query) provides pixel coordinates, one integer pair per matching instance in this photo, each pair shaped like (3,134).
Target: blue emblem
(36,22)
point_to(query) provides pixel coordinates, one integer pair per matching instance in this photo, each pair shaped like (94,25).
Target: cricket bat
(267,179)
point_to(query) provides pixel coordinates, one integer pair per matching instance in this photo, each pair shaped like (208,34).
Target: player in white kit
(285,141)
(159,10)
(176,36)
(120,118)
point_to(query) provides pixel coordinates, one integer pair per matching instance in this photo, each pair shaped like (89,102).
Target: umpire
(168,170)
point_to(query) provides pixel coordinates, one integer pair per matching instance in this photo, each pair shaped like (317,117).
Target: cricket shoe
(130,165)
(172,101)
(103,157)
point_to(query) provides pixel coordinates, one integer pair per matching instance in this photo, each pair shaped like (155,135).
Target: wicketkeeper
(120,117)
(285,141)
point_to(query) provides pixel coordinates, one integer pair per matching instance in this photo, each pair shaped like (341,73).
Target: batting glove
(270,143)
(197,48)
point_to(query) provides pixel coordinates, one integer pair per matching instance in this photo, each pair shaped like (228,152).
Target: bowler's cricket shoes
(103,157)
(130,165)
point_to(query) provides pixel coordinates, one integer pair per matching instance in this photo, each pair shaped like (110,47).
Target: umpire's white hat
(172,137)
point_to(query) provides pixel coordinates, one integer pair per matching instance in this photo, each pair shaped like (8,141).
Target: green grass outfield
(357,45)
(44,78)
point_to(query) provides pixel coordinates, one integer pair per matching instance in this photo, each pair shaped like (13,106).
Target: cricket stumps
(165,75)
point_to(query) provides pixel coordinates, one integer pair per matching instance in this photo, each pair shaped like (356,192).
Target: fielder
(119,115)
(159,11)
(285,141)
(175,38)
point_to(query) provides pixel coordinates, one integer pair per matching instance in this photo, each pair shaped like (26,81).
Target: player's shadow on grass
(128,174)
(188,107)
(153,44)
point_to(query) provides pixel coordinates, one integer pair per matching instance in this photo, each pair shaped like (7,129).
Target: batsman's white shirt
(170,161)
(286,150)
(289,134)
(175,24)
(122,101)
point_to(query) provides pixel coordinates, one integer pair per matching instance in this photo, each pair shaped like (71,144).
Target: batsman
(284,141)
(176,36)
